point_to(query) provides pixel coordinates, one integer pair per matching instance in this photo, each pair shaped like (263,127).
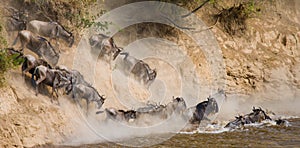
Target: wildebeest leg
(25,64)
(52,94)
(24,71)
(74,96)
(22,47)
(54,90)
(111,61)
(87,107)
(32,80)
(37,84)
(146,82)
(57,45)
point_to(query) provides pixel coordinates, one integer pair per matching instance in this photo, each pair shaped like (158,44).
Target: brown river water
(250,136)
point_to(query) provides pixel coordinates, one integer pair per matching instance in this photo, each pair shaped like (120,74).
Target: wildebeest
(237,123)
(120,115)
(106,45)
(74,76)
(38,45)
(88,93)
(150,108)
(50,77)
(149,115)
(126,63)
(282,122)
(204,109)
(139,69)
(153,115)
(52,30)
(143,73)
(256,116)
(30,63)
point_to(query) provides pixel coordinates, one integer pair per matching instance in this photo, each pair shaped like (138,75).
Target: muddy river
(256,135)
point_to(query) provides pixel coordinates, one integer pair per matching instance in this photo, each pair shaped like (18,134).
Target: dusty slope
(262,62)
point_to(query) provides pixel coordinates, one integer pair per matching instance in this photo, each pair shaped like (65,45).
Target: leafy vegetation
(7,60)
(233,19)
(231,14)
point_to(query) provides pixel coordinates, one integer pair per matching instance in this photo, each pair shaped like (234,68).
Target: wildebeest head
(66,35)
(71,40)
(14,24)
(116,52)
(69,87)
(100,101)
(178,104)
(212,105)
(153,74)
(29,62)
(258,115)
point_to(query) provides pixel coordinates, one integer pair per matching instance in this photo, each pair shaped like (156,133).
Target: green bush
(7,62)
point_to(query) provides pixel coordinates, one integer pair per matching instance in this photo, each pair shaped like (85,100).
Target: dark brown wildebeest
(256,116)
(51,30)
(150,108)
(89,93)
(204,109)
(106,45)
(139,69)
(152,115)
(149,115)
(143,73)
(120,115)
(50,77)
(38,45)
